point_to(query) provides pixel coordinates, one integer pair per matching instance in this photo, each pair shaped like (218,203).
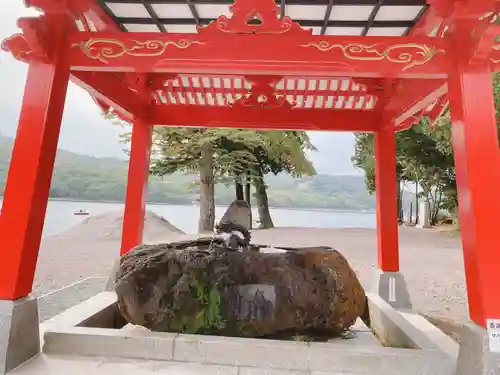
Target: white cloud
(85,131)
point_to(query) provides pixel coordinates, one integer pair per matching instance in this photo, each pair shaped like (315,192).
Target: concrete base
(19,332)
(110,284)
(400,329)
(54,303)
(391,287)
(93,329)
(475,356)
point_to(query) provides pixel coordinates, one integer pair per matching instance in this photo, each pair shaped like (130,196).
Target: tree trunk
(416,203)
(262,203)
(427,195)
(207,191)
(239,188)
(248,197)
(438,199)
(248,192)
(400,198)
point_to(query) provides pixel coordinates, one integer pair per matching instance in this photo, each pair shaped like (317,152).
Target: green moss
(208,317)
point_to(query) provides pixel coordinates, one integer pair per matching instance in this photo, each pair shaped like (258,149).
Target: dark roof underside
(325,17)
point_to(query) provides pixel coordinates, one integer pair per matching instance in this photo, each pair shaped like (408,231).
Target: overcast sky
(85,132)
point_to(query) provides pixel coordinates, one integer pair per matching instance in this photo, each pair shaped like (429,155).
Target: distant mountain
(104,179)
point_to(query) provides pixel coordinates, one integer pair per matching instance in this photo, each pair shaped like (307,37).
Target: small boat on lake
(81,212)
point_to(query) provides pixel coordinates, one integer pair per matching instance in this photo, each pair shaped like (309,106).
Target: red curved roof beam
(281,118)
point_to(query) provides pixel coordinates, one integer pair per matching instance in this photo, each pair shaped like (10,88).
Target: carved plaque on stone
(252,302)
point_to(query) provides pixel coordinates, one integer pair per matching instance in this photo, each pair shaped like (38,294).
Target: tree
(364,158)
(419,160)
(425,157)
(271,152)
(202,150)
(224,155)
(441,133)
(284,151)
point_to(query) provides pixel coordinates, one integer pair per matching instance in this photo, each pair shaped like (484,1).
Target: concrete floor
(75,365)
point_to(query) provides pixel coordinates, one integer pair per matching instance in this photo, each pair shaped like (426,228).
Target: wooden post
(477,163)
(137,186)
(30,173)
(386,193)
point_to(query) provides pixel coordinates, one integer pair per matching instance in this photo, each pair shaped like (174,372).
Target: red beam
(438,110)
(427,23)
(30,173)
(411,98)
(110,90)
(402,108)
(279,54)
(282,118)
(137,186)
(91,12)
(386,195)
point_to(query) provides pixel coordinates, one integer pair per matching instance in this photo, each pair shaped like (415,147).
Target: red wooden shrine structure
(351,65)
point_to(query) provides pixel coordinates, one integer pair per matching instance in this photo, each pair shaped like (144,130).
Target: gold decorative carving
(495,48)
(224,24)
(20,49)
(411,54)
(257,17)
(106,49)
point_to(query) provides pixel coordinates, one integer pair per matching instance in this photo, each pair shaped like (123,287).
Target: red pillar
(30,173)
(137,186)
(386,193)
(477,162)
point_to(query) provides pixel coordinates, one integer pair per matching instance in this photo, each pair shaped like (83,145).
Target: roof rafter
(339,17)
(304,23)
(110,90)
(326,20)
(412,98)
(371,19)
(153,15)
(194,11)
(121,90)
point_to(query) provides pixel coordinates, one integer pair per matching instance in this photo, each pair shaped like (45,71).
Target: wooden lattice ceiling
(324,93)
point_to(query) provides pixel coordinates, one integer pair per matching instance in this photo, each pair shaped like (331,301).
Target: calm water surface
(60,216)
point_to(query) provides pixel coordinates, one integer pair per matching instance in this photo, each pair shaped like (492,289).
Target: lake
(60,216)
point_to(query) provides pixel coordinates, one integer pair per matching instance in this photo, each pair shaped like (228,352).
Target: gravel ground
(431,260)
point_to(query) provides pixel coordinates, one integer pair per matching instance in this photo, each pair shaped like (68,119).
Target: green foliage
(424,156)
(236,151)
(82,177)
(236,155)
(363,158)
(419,159)
(209,316)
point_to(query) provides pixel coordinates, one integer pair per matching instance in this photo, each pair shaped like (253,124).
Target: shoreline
(313,209)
